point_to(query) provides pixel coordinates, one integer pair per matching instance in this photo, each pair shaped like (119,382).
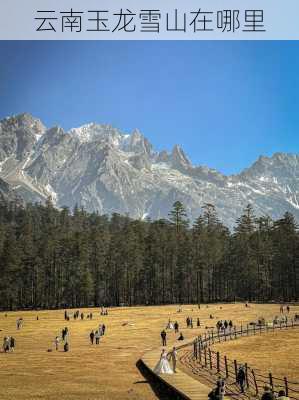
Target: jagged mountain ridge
(102,169)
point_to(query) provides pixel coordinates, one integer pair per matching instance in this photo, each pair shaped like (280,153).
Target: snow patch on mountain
(51,192)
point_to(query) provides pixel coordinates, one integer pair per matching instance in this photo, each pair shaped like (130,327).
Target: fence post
(255,383)
(246,375)
(235,333)
(199,348)
(218,361)
(236,368)
(210,357)
(226,366)
(241,330)
(213,336)
(271,380)
(205,357)
(286,386)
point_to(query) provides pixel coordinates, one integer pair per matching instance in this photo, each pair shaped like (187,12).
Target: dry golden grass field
(276,352)
(108,371)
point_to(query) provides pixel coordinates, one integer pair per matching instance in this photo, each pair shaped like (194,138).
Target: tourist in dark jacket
(91,336)
(282,395)
(241,378)
(163,337)
(12,343)
(268,394)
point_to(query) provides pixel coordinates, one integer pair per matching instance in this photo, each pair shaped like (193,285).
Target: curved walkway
(184,385)
(201,361)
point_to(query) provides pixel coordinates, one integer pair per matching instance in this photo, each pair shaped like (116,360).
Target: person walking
(56,341)
(221,394)
(174,357)
(97,337)
(91,336)
(103,329)
(163,337)
(6,344)
(12,344)
(65,333)
(176,327)
(241,378)
(218,392)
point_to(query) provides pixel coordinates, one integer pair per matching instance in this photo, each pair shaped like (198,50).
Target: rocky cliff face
(102,169)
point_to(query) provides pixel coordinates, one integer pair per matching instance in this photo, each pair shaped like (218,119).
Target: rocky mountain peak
(18,135)
(277,166)
(179,158)
(53,136)
(103,169)
(138,143)
(23,122)
(163,156)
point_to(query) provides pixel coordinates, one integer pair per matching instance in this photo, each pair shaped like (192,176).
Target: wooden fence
(219,365)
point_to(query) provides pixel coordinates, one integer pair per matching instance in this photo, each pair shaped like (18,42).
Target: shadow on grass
(161,389)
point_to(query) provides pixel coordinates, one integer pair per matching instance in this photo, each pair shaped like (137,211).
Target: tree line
(52,258)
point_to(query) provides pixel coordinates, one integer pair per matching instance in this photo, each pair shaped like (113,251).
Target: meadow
(109,371)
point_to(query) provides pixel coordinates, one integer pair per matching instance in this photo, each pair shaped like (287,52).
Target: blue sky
(225,103)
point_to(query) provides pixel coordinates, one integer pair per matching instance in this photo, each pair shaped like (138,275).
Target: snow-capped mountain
(102,169)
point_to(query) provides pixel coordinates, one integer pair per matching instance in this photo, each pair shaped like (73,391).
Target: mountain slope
(102,169)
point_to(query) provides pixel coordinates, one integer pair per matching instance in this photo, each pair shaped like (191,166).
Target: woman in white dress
(163,366)
(169,325)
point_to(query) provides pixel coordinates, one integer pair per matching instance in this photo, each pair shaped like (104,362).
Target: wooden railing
(200,357)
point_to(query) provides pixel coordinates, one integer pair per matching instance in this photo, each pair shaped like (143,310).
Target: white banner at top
(149,20)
